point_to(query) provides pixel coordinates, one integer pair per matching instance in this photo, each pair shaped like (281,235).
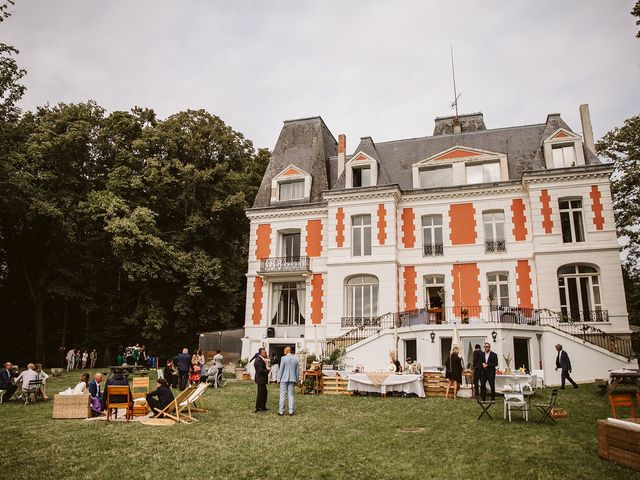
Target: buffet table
(383,383)
(503,380)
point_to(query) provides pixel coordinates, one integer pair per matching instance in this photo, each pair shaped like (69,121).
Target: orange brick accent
(466,286)
(382,224)
(560,135)
(596,206)
(291,171)
(361,157)
(316,298)
(314,238)
(523,282)
(457,153)
(410,298)
(257,300)
(462,224)
(519,219)
(340,227)
(547,223)
(342,143)
(263,241)
(408,237)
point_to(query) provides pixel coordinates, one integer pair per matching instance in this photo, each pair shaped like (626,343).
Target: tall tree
(11,90)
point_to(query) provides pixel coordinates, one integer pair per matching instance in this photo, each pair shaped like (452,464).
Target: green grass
(329,437)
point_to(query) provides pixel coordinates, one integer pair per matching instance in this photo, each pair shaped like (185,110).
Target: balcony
(284,266)
(352,322)
(435,249)
(495,246)
(585,316)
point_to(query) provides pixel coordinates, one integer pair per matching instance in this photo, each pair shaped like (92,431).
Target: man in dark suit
(163,394)
(478,360)
(563,362)
(183,363)
(489,364)
(6,381)
(261,378)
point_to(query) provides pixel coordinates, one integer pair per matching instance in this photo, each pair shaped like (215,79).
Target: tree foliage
(622,146)
(636,13)
(11,90)
(122,227)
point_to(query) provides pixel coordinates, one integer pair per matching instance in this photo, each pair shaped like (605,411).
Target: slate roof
(309,145)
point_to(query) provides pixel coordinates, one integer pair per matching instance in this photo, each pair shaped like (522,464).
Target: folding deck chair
(172,410)
(193,399)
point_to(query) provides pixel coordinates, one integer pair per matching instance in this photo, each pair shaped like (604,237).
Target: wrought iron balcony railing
(285,264)
(492,246)
(435,249)
(585,316)
(350,322)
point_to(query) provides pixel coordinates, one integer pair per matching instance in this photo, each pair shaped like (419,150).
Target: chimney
(342,152)
(587,130)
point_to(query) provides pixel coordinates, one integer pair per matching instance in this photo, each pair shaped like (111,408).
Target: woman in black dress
(454,371)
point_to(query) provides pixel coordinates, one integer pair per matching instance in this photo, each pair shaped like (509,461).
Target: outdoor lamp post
(494,335)
(433,336)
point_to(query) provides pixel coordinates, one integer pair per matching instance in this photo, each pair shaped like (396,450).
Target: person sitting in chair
(117,379)
(412,366)
(163,394)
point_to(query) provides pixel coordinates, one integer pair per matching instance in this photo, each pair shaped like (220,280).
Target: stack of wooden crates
(335,385)
(435,385)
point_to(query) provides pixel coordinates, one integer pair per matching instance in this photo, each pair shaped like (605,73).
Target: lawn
(329,437)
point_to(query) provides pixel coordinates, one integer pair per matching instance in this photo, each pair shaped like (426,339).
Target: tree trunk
(86,328)
(64,323)
(35,292)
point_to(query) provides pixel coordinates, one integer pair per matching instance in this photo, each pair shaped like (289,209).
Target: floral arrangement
(507,360)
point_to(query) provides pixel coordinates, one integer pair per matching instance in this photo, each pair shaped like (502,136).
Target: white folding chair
(160,373)
(539,383)
(515,401)
(191,400)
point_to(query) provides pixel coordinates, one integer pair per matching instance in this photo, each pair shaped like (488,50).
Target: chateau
(504,235)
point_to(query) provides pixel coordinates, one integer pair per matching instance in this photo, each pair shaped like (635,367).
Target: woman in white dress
(82,386)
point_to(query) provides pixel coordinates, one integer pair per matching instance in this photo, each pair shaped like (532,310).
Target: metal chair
(2,392)
(545,408)
(31,392)
(485,405)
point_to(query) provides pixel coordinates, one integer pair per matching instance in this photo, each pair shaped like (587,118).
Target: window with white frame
(563,156)
(498,289)
(291,246)
(483,172)
(361,176)
(571,220)
(288,304)
(434,293)
(361,235)
(579,288)
(494,239)
(436,177)
(361,297)
(432,235)
(292,190)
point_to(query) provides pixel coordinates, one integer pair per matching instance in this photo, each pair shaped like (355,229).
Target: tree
(11,90)
(622,146)
(636,13)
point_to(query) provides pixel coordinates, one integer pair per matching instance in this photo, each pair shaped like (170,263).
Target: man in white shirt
(218,359)
(27,376)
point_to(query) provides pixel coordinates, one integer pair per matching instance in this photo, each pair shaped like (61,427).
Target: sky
(369,68)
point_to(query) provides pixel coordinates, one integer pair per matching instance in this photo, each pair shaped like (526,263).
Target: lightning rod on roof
(456,95)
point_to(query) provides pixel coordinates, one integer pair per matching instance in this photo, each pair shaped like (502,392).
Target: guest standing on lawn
(169,375)
(478,360)
(288,378)
(454,372)
(261,379)
(85,358)
(489,364)
(183,362)
(93,357)
(6,381)
(70,359)
(563,362)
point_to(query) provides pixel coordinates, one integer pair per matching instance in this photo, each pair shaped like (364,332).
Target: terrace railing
(284,264)
(493,246)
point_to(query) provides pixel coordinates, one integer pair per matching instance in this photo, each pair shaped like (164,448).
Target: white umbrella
(455,341)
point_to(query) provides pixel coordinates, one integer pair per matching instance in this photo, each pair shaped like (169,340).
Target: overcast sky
(369,68)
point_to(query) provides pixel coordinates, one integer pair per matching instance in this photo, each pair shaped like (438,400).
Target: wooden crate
(71,406)
(335,386)
(619,444)
(435,385)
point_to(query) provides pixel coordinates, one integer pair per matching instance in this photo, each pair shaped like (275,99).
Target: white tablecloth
(393,383)
(503,380)
(335,373)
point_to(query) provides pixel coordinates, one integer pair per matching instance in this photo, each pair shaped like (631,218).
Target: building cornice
(304,210)
(585,172)
(366,193)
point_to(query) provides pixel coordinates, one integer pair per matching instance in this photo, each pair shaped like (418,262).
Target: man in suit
(261,379)
(478,358)
(288,378)
(563,362)
(6,381)
(96,392)
(160,397)
(183,362)
(489,364)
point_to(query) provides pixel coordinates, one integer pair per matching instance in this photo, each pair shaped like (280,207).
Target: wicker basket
(71,406)
(558,413)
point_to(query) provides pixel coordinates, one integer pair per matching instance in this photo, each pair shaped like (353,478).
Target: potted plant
(241,367)
(441,296)
(465,315)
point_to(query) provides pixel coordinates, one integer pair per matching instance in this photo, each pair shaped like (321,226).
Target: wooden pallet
(335,386)
(435,385)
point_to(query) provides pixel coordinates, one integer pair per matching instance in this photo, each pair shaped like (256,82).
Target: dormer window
(436,177)
(483,172)
(361,176)
(563,156)
(293,190)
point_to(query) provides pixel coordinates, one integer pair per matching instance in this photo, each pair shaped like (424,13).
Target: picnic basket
(558,413)
(71,406)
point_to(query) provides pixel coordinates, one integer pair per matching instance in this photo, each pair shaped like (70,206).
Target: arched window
(579,288)
(361,296)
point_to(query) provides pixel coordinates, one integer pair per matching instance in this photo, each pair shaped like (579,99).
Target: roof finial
(456,96)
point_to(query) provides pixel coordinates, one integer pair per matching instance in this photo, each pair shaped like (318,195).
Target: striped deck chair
(172,410)
(192,403)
